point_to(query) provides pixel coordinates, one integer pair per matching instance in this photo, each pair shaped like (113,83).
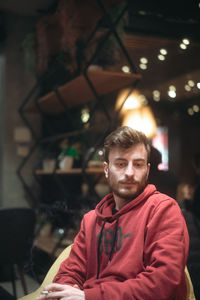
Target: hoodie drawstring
(98,248)
(115,238)
(112,247)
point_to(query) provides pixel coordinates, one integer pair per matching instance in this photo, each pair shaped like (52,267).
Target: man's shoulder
(90,213)
(90,216)
(158,198)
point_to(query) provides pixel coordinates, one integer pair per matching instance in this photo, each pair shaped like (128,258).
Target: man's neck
(120,202)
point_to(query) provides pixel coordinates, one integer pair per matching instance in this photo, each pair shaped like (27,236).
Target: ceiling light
(186,41)
(61,230)
(143,66)
(163,51)
(195,108)
(187,88)
(126,69)
(183,46)
(190,111)
(156,98)
(85,115)
(141,119)
(191,83)
(172,94)
(127,100)
(143,60)
(143,99)
(131,102)
(100,152)
(198,85)
(161,57)
(172,88)
(156,95)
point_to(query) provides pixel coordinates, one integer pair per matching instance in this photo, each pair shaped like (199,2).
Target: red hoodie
(139,253)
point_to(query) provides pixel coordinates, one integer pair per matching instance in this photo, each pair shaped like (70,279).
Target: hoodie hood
(105,207)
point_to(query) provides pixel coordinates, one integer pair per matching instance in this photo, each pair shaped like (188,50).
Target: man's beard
(127,194)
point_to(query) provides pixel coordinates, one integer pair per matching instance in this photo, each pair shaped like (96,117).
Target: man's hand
(58,291)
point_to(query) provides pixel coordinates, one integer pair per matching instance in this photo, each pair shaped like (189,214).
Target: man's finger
(76,286)
(53,287)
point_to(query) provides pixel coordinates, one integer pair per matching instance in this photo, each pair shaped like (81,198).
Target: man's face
(127,171)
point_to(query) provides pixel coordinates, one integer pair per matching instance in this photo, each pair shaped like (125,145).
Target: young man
(134,245)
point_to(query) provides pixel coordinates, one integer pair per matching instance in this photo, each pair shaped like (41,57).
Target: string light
(172,94)
(100,152)
(163,51)
(187,88)
(156,95)
(172,88)
(85,115)
(143,66)
(185,41)
(195,108)
(190,111)
(161,57)
(172,91)
(126,69)
(183,46)
(191,83)
(143,63)
(143,60)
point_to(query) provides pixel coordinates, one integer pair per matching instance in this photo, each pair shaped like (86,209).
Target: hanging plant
(109,55)
(66,32)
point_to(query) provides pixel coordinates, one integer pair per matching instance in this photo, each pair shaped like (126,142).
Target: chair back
(16,234)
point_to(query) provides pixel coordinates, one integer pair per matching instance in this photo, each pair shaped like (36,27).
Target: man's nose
(129,170)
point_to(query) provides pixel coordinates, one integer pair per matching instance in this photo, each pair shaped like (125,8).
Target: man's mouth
(128,182)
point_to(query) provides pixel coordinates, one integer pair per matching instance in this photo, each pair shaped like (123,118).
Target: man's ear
(105,167)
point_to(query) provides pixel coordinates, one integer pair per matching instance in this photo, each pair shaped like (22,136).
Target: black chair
(4,295)
(17,227)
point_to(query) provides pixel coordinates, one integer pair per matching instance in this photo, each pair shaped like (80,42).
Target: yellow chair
(190,290)
(50,275)
(54,269)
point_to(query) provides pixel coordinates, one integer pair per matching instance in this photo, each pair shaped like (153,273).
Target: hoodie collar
(105,206)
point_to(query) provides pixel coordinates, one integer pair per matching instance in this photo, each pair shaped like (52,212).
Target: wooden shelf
(77,91)
(47,244)
(71,171)
(46,241)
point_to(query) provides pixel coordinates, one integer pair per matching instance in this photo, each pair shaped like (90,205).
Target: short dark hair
(125,137)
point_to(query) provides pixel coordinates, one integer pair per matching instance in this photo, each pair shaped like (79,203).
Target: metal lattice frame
(97,103)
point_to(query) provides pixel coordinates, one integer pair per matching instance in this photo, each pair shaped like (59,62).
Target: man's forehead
(135,150)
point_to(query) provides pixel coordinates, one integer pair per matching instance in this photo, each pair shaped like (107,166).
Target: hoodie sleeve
(73,269)
(165,255)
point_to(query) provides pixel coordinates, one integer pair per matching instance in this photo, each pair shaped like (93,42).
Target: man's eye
(139,164)
(120,165)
